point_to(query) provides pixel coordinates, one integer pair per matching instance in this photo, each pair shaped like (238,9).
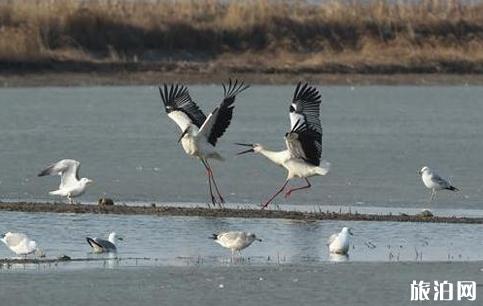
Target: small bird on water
(235,241)
(99,245)
(71,185)
(434,182)
(339,242)
(19,243)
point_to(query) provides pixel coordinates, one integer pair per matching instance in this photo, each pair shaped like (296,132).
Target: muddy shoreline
(226,213)
(137,78)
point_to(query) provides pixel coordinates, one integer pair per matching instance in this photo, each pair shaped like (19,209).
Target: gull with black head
(302,158)
(200,133)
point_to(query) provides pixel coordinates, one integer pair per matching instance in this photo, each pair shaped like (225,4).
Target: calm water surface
(377,138)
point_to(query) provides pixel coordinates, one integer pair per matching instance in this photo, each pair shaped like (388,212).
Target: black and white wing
(180,107)
(101,244)
(305,107)
(219,120)
(304,143)
(68,169)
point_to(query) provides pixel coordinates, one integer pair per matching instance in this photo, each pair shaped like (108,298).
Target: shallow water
(376,137)
(181,241)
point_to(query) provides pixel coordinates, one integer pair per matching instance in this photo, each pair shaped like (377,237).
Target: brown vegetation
(244,36)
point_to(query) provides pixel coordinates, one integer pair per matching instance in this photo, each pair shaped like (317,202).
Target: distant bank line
(227,213)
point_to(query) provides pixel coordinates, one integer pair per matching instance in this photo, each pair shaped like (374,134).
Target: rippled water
(376,138)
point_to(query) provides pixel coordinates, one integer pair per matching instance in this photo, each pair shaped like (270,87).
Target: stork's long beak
(245,145)
(182,135)
(258,239)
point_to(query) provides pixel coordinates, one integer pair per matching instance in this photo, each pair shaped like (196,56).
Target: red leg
(289,192)
(213,201)
(222,200)
(276,194)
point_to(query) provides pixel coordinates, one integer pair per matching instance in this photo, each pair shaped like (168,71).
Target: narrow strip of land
(227,213)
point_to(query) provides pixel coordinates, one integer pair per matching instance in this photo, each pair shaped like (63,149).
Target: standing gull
(434,182)
(235,241)
(200,133)
(71,185)
(303,141)
(19,243)
(104,246)
(339,242)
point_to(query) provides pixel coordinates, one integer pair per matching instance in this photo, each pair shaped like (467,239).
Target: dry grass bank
(244,36)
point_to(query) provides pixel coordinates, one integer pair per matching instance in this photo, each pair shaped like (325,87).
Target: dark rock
(105,202)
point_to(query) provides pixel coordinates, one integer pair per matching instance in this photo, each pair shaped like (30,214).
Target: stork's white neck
(277,157)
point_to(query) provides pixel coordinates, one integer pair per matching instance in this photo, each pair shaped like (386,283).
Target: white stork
(304,141)
(199,132)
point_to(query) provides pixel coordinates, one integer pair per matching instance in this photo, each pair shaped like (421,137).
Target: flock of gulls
(199,136)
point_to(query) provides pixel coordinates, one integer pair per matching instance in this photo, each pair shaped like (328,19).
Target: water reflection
(338,257)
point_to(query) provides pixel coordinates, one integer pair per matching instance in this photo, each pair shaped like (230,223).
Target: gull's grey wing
(101,243)
(107,245)
(230,236)
(68,169)
(440,181)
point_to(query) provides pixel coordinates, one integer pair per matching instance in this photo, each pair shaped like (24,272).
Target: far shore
(227,213)
(121,77)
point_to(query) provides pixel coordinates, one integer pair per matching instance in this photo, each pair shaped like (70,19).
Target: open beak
(245,145)
(182,135)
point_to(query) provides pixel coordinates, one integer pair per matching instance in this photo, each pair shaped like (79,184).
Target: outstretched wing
(304,143)
(180,107)
(305,107)
(68,169)
(221,117)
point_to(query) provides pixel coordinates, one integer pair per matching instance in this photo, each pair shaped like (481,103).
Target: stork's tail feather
(323,168)
(453,188)
(214,236)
